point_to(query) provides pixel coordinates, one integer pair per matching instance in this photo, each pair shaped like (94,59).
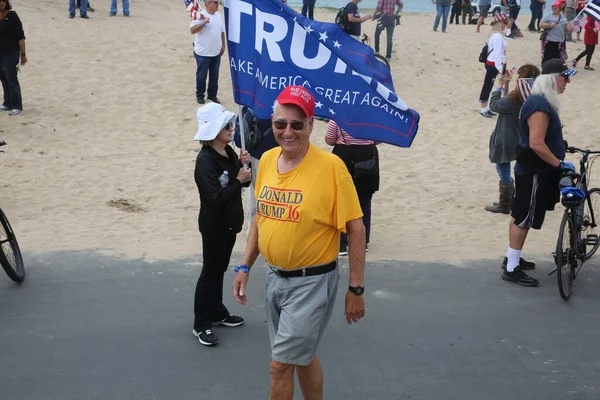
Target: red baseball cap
(300,97)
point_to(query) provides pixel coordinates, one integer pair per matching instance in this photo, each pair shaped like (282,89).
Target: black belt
(321,269)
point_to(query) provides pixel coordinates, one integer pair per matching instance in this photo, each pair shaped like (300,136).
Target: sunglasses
(227,127)
(295,124)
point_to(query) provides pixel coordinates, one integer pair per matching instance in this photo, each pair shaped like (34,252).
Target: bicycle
(577,238)
(10,253)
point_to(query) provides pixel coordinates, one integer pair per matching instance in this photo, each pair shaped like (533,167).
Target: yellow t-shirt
(300,213)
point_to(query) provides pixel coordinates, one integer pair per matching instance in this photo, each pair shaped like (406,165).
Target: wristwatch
(357,290)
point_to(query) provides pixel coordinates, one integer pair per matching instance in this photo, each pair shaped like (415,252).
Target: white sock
(484,109)
(513,257)
(508,32)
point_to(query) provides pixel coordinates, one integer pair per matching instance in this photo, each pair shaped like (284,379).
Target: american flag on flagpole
(579,22)
(193,8)
(592,9)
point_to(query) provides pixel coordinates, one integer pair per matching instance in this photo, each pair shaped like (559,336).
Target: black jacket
(11,32)
(220,207)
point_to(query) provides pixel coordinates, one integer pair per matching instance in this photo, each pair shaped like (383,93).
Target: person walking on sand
(456,9)
(209,46)
(537,12)
(356,154)
(308,8)
(113,8)
(504,139)
(467,12)
(387,21)
(538,165)
(219,176)
(553,45)
(484,8)
(305,199)
(442,9)
(12,54)
(83,9)
(494,62)
(354,19)
(590,39)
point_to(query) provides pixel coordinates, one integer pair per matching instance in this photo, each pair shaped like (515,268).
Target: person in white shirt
(494,63)
(209,46)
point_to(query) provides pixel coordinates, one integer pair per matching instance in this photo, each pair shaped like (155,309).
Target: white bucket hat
(212,118)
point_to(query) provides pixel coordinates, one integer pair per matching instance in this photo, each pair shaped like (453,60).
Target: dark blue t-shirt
(352,8)
(528,162)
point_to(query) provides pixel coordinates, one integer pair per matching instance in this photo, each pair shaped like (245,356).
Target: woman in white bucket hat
(219,176)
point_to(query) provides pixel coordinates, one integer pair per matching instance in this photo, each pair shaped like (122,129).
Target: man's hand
(23,59)
(355,307)
(239,287)
(222,50)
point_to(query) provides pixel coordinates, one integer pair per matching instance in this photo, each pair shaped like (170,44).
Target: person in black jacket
(219,176)
(12,53)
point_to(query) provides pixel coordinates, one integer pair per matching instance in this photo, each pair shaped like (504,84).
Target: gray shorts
(298,310)
(483,11)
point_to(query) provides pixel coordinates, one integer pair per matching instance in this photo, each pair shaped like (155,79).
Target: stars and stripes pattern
(593,10)
(578,23)
(524,86)
(193,8)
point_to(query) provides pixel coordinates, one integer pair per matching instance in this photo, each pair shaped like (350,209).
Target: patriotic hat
(212,118)
(300,97)
(557,66)
(499,18)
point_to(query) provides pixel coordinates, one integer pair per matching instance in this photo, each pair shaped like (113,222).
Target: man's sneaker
(15,112)
(214,100)
(511,36)
(525,265)
(231,320)
(206,337)
(367,248)
(519,277)
(90,9)
(487,114)
(343,250)
(4,108)
(85,17)
(200,101)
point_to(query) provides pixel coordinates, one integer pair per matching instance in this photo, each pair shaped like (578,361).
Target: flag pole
(242,132)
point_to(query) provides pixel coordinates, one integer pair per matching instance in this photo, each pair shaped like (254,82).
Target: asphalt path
(88,326)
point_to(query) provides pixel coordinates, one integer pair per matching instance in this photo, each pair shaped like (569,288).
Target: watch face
(357,290)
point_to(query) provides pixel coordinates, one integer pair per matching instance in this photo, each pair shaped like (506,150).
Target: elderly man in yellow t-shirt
(305,198)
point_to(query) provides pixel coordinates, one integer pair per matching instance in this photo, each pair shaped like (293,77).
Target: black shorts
(535,194)
(513,11)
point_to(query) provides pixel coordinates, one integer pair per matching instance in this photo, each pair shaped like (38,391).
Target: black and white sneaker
(525,265)
(519,277)
(207,337)
(231,320)
(343,250)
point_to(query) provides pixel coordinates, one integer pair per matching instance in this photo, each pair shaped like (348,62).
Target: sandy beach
(103,157)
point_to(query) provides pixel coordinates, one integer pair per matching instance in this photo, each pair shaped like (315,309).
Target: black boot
(505,200)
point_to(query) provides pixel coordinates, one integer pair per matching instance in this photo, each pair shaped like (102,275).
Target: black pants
(588,52)
(455,14)
(10,81)
(551,51)
(388,23)
(364,198)
(208,301)
(488,83)
(308,8)
(536,15)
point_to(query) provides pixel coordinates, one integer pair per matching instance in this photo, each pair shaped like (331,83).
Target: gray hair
(545,85)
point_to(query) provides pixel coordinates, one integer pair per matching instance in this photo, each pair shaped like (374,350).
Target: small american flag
(578,23)
(193,8)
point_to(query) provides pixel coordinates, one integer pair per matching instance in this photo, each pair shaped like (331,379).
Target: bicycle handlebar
(574,150)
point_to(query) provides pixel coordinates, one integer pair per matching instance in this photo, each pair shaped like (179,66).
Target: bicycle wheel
(590,233)
(10,254)
(565,257)
(383,60)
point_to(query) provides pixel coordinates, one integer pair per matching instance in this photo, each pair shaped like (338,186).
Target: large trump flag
(271,46)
